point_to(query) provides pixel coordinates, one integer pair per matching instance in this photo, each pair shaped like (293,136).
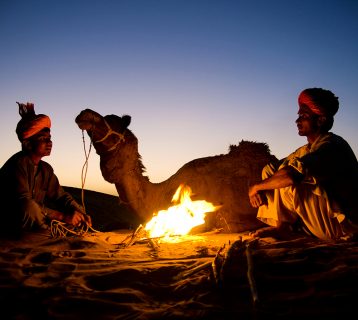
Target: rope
(60,229)
(110,131)
(120,136)
(84,168)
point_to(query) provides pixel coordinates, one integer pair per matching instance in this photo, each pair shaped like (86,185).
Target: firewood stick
(192,271)
(250,276)
(153,243)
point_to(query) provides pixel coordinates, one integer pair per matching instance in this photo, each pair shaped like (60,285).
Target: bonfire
(181,217)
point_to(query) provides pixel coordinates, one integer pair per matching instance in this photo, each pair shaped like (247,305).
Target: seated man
(315,185)
(31,195)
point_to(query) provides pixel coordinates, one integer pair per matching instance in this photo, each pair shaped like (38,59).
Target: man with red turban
(315,186)
(31,195)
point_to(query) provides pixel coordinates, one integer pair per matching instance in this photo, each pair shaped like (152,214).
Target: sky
(195,75)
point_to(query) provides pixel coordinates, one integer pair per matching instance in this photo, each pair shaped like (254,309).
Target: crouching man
(317,185)
(30,193)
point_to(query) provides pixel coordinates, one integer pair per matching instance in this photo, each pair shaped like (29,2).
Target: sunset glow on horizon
(195,76)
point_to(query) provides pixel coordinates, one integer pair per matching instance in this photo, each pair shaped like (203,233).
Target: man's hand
(77,218)
(88,220)
(256,198)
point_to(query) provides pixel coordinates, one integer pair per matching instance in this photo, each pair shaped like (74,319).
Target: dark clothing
(29,193)
(334,166)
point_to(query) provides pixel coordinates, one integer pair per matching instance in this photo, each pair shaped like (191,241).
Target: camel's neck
(124,168)
(142,196)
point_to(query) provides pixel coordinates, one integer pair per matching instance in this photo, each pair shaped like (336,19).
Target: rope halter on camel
(62,229)
(109,133)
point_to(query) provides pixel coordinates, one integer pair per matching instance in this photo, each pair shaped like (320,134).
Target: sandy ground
(100,276)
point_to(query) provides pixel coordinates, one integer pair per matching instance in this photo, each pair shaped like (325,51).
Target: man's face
(42,144)
(307,122)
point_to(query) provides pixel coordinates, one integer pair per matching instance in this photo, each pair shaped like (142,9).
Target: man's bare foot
(350,230)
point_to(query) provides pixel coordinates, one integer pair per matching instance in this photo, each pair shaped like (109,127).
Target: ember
(180,218)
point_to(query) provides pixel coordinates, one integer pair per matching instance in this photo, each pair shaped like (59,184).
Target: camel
(222,180)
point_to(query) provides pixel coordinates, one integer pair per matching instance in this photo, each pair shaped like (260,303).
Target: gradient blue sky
(195,75)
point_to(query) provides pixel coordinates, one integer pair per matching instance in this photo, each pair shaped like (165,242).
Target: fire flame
(180,218)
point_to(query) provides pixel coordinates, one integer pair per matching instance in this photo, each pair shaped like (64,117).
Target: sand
(100,276)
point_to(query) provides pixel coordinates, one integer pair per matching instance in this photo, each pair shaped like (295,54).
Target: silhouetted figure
(31,195)
(317,185)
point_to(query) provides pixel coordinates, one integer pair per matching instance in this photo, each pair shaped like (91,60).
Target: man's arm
(71,212)
(76,218)
(282,178)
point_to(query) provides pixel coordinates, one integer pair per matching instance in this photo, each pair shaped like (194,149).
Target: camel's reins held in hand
(61,229)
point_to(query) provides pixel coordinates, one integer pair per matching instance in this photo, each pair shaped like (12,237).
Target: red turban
(320,101)
(31,123)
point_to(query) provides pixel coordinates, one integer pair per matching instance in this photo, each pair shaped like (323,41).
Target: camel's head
(116,145)
(105,132)
(87,119)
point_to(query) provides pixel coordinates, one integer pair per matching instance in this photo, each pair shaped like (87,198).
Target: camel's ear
(126,120)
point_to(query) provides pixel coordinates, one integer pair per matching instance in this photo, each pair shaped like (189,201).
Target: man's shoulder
(46,166)
(299,152)
(17,158)
(335,144)
(333,138)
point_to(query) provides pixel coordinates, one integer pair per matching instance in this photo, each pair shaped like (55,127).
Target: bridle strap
(110,132)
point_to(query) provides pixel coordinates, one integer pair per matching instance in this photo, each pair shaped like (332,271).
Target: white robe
(307,200)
